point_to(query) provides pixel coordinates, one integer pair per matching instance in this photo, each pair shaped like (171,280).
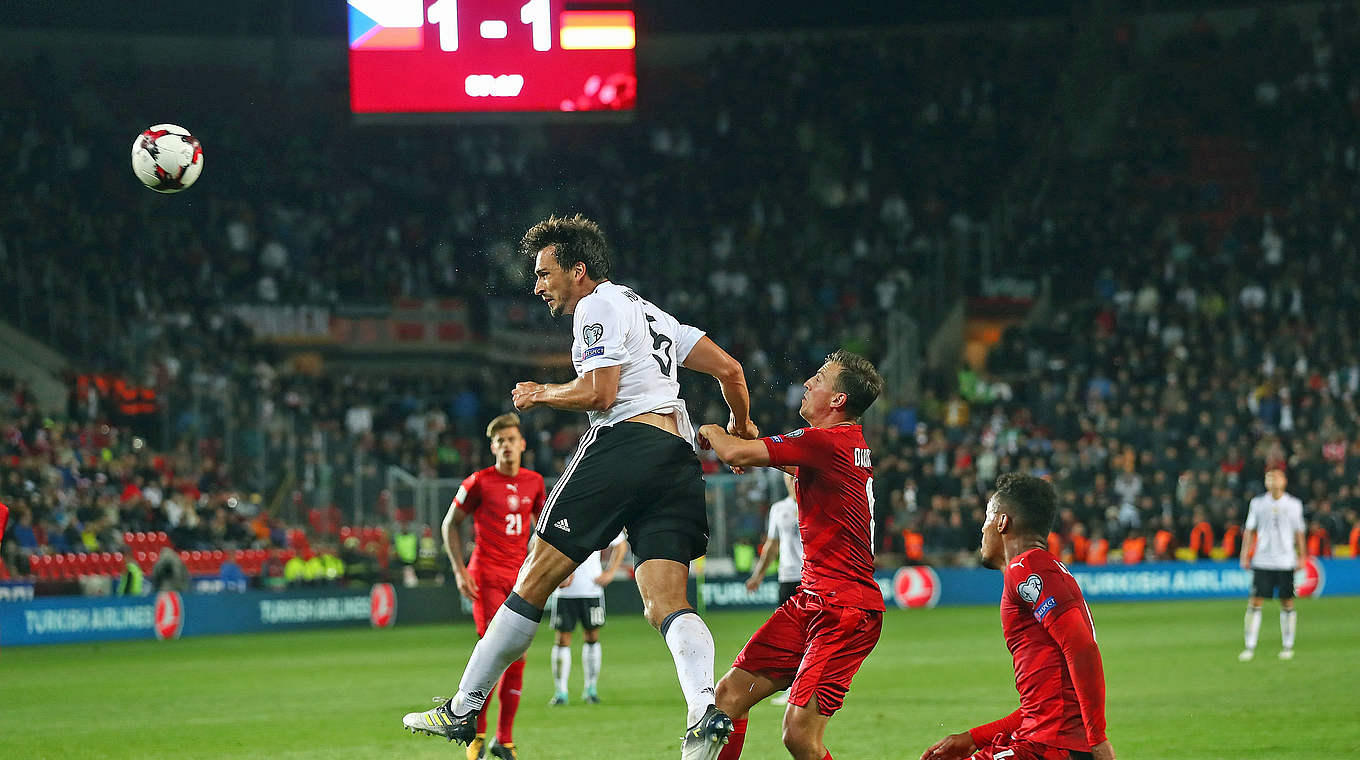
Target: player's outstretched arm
(594,391)
(767,552)
(709,358)
(615,559)
(734,451)
(1078,644)
(453,546)
(952,747)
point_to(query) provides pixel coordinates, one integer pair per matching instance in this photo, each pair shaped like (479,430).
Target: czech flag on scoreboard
(386,24)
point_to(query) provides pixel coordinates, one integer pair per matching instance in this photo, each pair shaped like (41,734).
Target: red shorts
(818,645)
(1006,748)
(491,593)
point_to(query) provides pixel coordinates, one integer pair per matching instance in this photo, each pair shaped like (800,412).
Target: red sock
(481,716)
(738,737)
(828,755)
(511,685)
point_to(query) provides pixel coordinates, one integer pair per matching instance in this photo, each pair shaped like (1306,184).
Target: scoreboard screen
(488,56)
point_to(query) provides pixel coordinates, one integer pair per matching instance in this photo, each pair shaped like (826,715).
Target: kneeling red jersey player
(1048,629)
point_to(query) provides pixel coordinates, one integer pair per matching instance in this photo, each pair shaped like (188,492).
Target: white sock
(691,646)
(591,657)
(1253,626)
(561,667)
(506,640)
(1287,620)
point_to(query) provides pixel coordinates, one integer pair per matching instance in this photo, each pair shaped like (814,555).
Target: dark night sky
(313,18)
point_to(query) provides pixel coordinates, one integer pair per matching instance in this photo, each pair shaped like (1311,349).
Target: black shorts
(1264,583)
(570,611)
(628,476)
(786,590)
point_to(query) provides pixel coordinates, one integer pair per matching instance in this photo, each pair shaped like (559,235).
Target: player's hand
(524,395)
(706,435)
(1246,563)
(604,579)
(566,582)
(952,747)
(753,583)
(466,585)
(747,430)
(1103,751)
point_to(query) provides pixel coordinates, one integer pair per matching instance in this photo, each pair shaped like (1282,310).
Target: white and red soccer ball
(166,158)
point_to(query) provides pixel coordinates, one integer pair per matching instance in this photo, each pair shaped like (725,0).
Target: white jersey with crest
(613,326)
(1276,521)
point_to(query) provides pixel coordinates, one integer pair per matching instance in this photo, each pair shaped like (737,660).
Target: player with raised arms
(815,642)
(503,500)
(634,469)
(1048,630)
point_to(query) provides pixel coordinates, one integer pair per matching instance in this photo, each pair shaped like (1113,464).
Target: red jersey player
(814,643)
(1048,629)
(504,502)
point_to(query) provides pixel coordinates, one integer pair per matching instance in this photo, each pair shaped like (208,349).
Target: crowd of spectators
(1207,272)
(787,196)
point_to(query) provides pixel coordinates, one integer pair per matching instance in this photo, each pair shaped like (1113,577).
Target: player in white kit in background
(1275,522)
(782,538)
(580,601)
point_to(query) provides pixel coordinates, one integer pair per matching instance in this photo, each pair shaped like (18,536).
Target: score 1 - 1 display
(450,56)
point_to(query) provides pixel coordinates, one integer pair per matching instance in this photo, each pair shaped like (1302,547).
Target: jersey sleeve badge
(1031,589)
(592,333)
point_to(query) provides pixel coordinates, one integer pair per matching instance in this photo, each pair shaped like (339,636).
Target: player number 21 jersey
(503,510)
(613,326)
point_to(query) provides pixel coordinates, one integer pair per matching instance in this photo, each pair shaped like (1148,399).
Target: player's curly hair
(858,380)
(574,239)
(1031,500)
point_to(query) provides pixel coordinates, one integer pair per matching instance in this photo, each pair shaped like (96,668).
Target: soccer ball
(166,158)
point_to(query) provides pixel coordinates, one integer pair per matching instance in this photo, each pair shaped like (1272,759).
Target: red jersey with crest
(835,511)
(503,511)
(1039,589)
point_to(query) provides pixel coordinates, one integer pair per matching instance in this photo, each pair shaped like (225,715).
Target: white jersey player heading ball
(634,469)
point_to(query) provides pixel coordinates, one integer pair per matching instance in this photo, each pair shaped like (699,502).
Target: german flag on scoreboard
(597,30)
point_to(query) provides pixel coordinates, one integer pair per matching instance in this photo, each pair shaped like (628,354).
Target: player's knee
(563,639)
(592,636)
(800,740)
(657,610)
(727,697)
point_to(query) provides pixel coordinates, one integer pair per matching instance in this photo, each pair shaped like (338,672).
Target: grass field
(1176,690)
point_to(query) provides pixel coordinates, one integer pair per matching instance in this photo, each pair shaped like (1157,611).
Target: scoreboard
(487,56)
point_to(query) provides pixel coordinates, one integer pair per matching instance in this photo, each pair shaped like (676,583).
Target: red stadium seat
(117,563)
(162,539)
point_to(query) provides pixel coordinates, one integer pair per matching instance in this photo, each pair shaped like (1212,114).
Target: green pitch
(1176,690)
